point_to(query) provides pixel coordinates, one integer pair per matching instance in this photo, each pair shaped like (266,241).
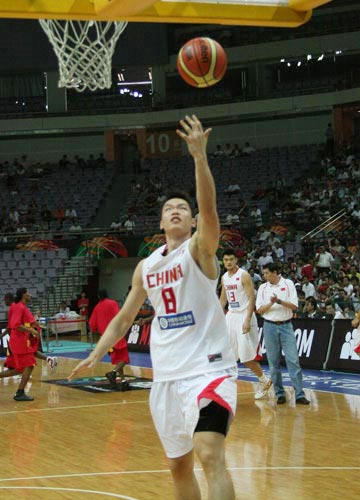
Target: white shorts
(245,345)
(175,406)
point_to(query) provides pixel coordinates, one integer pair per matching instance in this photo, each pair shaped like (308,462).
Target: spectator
(310,309)
(247,149)
(256,215)
(324,260)
(308,288)
(129,225)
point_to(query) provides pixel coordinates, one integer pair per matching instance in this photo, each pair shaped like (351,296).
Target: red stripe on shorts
(209,393)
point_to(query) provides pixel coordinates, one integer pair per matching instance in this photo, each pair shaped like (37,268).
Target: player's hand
(355,322)
(85,364)
(194,136)
(246,326)
(274,299)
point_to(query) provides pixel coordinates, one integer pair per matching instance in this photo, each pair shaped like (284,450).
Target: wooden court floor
(70,444)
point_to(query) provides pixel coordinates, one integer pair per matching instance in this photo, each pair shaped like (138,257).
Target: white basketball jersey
(188,332)
(236,295)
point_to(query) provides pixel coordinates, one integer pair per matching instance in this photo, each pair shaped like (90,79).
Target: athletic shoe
(111,376)
(124,385)
(23,397)
(263,389)
(302,401)
(52,362)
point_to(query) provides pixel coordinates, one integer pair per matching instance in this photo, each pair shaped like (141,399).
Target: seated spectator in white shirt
(232,188)
(228,150)
(255,277)
(70,214)
(308,288)
(356,212)
(218,152)
(129,225)
(247,149)
(232,218)
(278,251)
(264,259)
(75,227)
(116,225)
(256,215)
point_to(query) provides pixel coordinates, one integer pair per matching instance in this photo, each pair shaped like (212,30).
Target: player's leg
(119,358)
(288,343)
(167,411)
(25,364)
(20,393)
(273,353)
(265,382)
(10,372)
(248,348)
(186,486)
(209,441)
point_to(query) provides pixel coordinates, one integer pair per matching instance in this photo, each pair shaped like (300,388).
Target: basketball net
(84,50)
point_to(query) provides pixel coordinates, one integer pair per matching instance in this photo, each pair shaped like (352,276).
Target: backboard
(281,13)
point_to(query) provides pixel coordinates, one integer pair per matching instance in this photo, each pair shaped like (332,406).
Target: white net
(84,50)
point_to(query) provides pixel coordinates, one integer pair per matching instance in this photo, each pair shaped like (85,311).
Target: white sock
(263,378)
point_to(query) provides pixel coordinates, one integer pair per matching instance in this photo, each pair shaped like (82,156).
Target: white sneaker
(52,362)
(263,389)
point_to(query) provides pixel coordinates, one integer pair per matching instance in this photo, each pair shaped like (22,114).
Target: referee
(276,299)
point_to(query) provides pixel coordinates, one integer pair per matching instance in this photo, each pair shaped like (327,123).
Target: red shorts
(10,362)
(23,361)
(119,355)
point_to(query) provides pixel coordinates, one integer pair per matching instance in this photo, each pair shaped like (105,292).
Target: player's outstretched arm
(118,326)
(206,239)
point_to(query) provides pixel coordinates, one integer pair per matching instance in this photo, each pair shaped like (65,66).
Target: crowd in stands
(325,266)
(43,197)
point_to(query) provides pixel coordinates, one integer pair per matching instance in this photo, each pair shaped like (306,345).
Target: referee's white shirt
(284,290)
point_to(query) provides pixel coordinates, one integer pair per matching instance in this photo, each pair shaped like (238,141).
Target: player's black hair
(20,292)
(102,293)
(178,194)
(228,251)
(272,267)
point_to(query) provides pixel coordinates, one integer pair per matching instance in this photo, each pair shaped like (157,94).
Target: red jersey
(19,315)
(101,316)
(307,270)
(83,305)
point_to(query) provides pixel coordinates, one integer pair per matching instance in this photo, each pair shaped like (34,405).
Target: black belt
(278,322)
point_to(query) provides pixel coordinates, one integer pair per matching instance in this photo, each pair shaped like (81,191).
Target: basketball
(201,62)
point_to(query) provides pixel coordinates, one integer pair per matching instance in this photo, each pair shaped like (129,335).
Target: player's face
(270,277)
(230,262)
(176,215)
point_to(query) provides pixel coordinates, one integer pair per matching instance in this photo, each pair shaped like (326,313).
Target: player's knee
(212,459)
(181,466)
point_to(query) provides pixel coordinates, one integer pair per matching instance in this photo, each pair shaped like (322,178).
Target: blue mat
(67,346)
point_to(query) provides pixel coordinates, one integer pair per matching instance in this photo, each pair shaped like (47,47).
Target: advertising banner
(342,355)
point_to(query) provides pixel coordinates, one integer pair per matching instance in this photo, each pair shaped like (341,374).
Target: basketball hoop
(84,50)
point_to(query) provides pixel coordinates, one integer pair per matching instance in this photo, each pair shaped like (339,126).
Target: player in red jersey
(35,342)
(103,313)
(21,323)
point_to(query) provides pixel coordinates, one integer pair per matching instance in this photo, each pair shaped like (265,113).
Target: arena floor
(72,444)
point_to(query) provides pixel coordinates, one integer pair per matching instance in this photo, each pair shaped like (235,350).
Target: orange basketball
(201,62)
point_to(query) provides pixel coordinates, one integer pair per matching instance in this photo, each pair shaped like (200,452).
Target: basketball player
(35,342)
(193,397)
(104,311)
(22,361)
(238,291)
